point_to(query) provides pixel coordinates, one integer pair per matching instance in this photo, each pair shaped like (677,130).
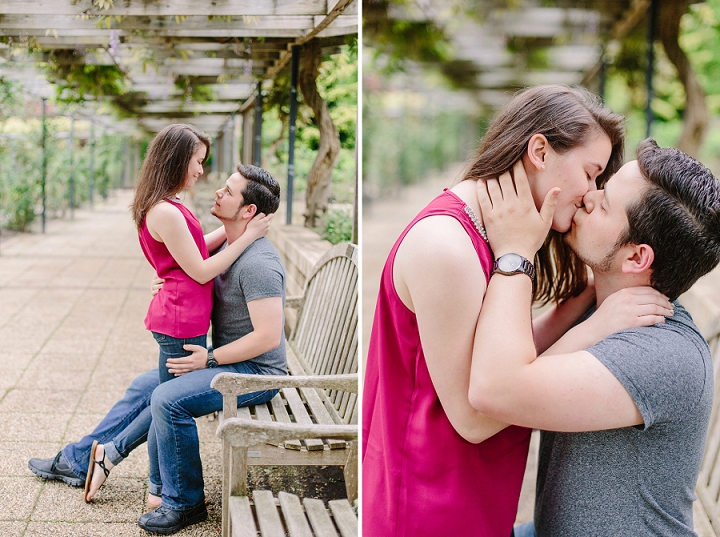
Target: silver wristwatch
(510,264)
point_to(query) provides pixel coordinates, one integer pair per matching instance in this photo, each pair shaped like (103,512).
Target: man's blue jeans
(524,530)
(123,429)
(172,347)
(175,466)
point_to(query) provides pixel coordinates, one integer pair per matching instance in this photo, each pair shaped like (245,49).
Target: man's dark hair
(678,216)
(262,189)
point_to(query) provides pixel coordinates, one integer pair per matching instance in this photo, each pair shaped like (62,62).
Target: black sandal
(91,468)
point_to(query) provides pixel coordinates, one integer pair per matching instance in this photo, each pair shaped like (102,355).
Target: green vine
(75,79)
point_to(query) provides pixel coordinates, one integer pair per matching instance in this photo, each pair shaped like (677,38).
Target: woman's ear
(537,150)
(639,260)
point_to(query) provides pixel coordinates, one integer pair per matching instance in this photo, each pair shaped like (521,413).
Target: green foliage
(403,144)
(626,91)
(75,79)
(336,226)
(21,167)
(10,98)
(337,84)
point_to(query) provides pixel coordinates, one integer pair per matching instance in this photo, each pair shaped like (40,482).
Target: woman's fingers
(506,185)
(522,185)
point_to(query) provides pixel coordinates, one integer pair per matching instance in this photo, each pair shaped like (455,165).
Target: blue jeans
(524,530)
(173,446)
(172,347)
(123,429)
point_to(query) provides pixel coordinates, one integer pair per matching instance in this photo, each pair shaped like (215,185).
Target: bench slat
(295,521)
(267,514)
(321,414)
(243,523)
(302,417)
(345,517)
(319,518)
(281,415)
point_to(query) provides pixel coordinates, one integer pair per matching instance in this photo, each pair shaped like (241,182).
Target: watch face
(509,262)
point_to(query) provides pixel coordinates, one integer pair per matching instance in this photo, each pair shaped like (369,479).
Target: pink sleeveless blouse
(420,477)
(183,306)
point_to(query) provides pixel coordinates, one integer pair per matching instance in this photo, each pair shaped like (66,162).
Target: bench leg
(351,473)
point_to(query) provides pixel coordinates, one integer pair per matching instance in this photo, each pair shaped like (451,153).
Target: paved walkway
(72,304)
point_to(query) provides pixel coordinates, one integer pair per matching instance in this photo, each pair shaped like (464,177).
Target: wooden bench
(707,508)
(284,516)
(322,354)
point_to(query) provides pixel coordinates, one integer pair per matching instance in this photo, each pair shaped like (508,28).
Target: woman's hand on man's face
(512,222)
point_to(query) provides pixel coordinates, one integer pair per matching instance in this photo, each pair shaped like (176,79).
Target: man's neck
(608,283)
(234,230)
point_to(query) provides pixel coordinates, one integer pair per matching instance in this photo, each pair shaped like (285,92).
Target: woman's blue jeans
(172,347)
(173,446)
(123,429)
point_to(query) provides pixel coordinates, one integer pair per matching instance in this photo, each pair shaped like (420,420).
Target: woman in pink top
(432,464)
(172,240)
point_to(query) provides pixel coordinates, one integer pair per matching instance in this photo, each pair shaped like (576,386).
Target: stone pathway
(72,304)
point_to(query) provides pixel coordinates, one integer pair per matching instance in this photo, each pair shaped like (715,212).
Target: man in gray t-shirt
(628,390)
(258,273)
(634,480)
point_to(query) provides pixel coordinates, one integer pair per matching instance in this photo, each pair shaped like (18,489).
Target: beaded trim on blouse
(476,222)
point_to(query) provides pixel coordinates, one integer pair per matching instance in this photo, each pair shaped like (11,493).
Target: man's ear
(250,211)
(639,259)
(537,149)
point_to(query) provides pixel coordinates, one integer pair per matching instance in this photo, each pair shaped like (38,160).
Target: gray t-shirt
(634,481)
(257,273)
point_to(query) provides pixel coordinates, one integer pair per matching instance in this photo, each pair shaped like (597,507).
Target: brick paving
(72,304)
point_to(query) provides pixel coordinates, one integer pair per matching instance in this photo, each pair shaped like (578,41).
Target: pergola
(178,61)
(504,48)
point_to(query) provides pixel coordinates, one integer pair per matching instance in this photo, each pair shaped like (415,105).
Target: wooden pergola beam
(170,8)
(257,25)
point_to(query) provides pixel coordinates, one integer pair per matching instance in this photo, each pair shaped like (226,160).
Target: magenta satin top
(182,307)
(420,477)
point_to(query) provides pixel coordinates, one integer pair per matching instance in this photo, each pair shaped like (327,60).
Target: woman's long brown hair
(568,118)
(163,172)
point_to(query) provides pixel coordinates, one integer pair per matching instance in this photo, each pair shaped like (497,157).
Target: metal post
(44,164)
(602,75)
(91,181)
(258,124)
(125,166)
(356,209)
(71,179)
(294,65)
(652,16)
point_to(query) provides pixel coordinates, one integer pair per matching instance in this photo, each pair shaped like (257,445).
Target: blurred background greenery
(435,73)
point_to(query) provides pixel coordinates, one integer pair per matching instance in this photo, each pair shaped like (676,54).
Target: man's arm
(266,315)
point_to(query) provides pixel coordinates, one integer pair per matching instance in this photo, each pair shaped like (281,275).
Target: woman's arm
(215,239)
(438,276)
(167,224)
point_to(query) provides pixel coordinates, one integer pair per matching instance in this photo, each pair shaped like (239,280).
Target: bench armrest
(241,432)
(238,384)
